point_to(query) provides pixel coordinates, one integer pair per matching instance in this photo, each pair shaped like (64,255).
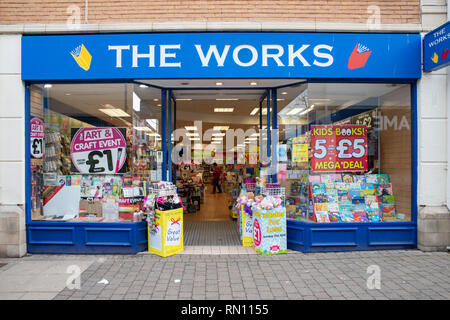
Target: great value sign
(436,48)
(339,148)
(98,150)
(221,55)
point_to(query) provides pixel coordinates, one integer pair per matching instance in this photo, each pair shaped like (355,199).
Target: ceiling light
(153,134)
(217,138)
(223,109)
(183,99)
(192,134)
(255,134)
(155,99)
(254,111)
(294,111)
(68,94)
(284,92)
(218,134)
(191,128)
(219,83)
(194,139)
(216,142)
(153,123)
(136,102)
(115,112)
(142,128)
(280,99)
(253,83)
(143,86)
(227,99)
(251,139)
(264,111)
(221,128)
(47,86)
(158,105)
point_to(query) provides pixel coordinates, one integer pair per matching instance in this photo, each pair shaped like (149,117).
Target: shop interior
(202,111)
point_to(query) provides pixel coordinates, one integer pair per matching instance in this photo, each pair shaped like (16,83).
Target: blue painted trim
(164,133)
(414,154)
(56,242)
(174,178)
(27,156)
(113,243)
(268,132)
(169,139)
(275,140)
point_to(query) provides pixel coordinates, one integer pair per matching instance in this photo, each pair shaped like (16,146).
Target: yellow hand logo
(435,58)
(82,57)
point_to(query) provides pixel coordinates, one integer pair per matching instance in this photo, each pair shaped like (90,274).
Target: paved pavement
(404,274)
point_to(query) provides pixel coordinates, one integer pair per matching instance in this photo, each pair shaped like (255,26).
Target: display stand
(245,222)
(165,228)
(269,227)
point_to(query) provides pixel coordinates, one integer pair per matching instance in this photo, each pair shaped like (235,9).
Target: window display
(99,154)
(349,153)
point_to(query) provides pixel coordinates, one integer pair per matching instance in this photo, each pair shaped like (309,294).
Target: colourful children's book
(347,178)
(388,211)
(320,198)
(321,206)
(354,193)
(358,200)
(346,216)
(360,216)
(322,216)
(318,188)
(385,189)
(329,178)
(388,199)
(383,178)
(329,186)
(372,178)
(342,188)
(373,214)
(359,178)
(314,178)
(371,201)
(344,198)
(367,189)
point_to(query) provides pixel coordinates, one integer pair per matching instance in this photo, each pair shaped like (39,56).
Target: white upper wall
(12,122)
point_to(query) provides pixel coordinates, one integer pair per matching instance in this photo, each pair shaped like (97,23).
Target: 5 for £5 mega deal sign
(340,148)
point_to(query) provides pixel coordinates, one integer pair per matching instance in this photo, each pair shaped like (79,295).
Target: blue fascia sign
(436,48)
(221,55)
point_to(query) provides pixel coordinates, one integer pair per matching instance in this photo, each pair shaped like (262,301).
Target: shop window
(345,152)
(95,148)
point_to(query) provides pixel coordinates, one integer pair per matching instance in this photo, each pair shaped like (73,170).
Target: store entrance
(207,184)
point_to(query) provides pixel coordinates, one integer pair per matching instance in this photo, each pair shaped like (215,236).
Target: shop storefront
(340,110)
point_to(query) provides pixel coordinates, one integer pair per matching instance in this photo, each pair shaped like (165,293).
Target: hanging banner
(98,150)
(37,134)
(339,148)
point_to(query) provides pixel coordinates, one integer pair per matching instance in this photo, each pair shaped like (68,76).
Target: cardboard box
(91,207)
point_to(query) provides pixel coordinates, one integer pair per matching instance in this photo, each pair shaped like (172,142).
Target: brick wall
(55,11)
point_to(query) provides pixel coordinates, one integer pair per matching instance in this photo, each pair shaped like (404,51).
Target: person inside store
(217,173)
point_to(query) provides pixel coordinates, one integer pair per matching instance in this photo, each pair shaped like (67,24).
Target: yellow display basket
(165,236)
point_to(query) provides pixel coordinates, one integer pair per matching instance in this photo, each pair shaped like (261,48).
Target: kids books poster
(99,150)
(340,148)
